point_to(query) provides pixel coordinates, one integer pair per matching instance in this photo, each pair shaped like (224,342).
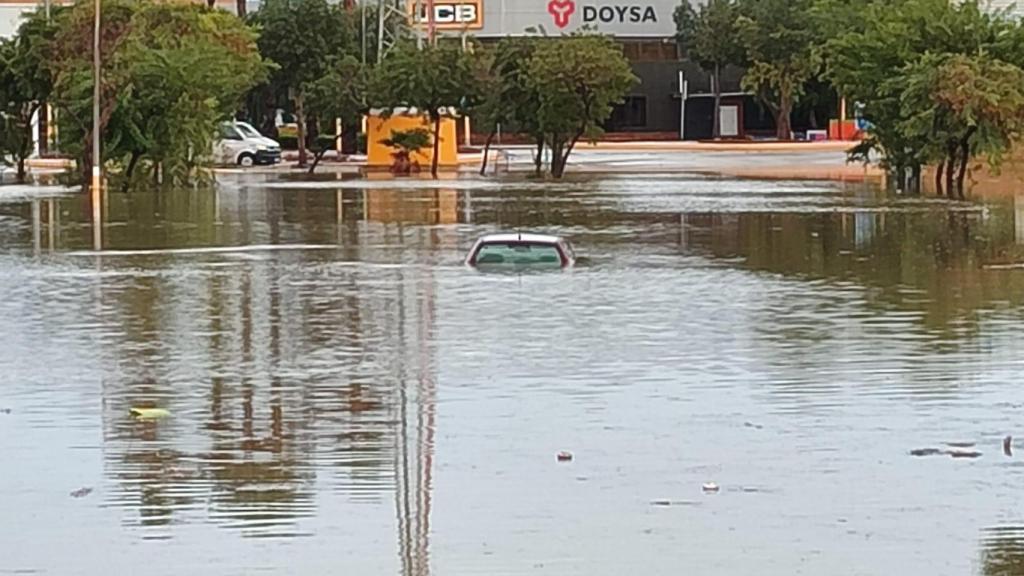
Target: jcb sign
(448,15)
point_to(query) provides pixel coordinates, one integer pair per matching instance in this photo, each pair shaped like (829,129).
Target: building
(671,101)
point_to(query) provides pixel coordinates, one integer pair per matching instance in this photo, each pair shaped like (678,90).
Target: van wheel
(246,160)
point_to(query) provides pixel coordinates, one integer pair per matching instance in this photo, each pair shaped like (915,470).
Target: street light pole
(96,173)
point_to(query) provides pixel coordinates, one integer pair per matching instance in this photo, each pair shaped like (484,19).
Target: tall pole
(96,175)
(430,22)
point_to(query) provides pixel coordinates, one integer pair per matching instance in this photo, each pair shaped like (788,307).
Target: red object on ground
(846,130)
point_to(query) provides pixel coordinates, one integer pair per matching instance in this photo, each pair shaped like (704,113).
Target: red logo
(560,10)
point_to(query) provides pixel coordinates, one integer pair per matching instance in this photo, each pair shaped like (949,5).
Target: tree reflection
(1002,551)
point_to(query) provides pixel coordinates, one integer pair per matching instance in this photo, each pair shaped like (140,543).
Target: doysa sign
(624,18)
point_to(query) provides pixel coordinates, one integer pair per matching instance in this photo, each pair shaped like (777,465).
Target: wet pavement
(343,396)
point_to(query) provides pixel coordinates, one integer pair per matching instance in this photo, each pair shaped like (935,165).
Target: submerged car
(533,250)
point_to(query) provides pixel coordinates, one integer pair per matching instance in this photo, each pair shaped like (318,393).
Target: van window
(247,131)
(228,132)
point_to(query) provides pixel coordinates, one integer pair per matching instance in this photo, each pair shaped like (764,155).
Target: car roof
(535,238)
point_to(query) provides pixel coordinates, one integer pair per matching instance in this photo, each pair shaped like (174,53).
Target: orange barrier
(380,128)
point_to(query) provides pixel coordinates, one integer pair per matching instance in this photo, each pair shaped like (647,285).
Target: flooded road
(345,397)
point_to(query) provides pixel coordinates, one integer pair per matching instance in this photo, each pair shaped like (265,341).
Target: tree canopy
(438,80)
(710,36)
(578,79)
(25,83)
(779,40)
(937,81)
(170,73)
(305,39)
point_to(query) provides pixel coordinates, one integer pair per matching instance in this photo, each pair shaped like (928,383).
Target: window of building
(650,51)
(631,114)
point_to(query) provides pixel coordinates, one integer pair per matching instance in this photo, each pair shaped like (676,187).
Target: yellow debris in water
(150,413)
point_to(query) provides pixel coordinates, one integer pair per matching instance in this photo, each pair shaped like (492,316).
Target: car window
(517,253)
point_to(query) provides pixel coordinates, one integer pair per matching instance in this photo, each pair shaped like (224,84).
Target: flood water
(345,397)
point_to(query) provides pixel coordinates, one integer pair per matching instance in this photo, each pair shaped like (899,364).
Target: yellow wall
(379,128)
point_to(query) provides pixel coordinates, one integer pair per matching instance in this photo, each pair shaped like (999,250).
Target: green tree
(340,93)
(304,38)
(710,37)
(578,80)
(779,39)
(511,101)
(171,73)
(25,84)
(897,61)
(406,143)
(965,105)
(438,80)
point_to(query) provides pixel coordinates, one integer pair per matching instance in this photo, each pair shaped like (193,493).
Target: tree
(25,83)
(578,79)
(966,105)
(710,36)
(898,61)
(304,38)
(406,143)
(779,40)
(339,93)
(171,73)
(435,79)
(511,101)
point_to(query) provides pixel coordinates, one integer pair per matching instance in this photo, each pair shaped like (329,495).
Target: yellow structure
(380,128)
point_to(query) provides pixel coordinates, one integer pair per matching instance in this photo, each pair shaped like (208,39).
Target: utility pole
(430,23)
(96,163)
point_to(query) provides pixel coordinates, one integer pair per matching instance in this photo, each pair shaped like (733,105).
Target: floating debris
(1008,445)
(964,453)
(81,492)
(665,503)
(564,456)
(149,413)
(960,444)
(926,452)
(752,425)
(710,487)
(5,410)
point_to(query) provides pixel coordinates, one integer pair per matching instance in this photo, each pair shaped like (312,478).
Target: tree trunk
(557,158)
(938,177)
(319,155)
(716,117)
(951,148)
(132,162)
(300,120)
(915,180)
(85,163)
(965,154)
(538,159)
(240,8)
(437,145)
(487,151)
(783,127)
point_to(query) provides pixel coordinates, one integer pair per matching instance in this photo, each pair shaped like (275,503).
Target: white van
(239,143)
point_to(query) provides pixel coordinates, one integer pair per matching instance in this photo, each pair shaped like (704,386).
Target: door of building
(729,121)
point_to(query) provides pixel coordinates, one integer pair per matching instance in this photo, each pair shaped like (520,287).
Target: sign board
(448,14)
(622,18)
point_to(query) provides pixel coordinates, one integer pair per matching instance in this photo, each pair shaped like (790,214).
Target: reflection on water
(1002,551)
(345,396)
